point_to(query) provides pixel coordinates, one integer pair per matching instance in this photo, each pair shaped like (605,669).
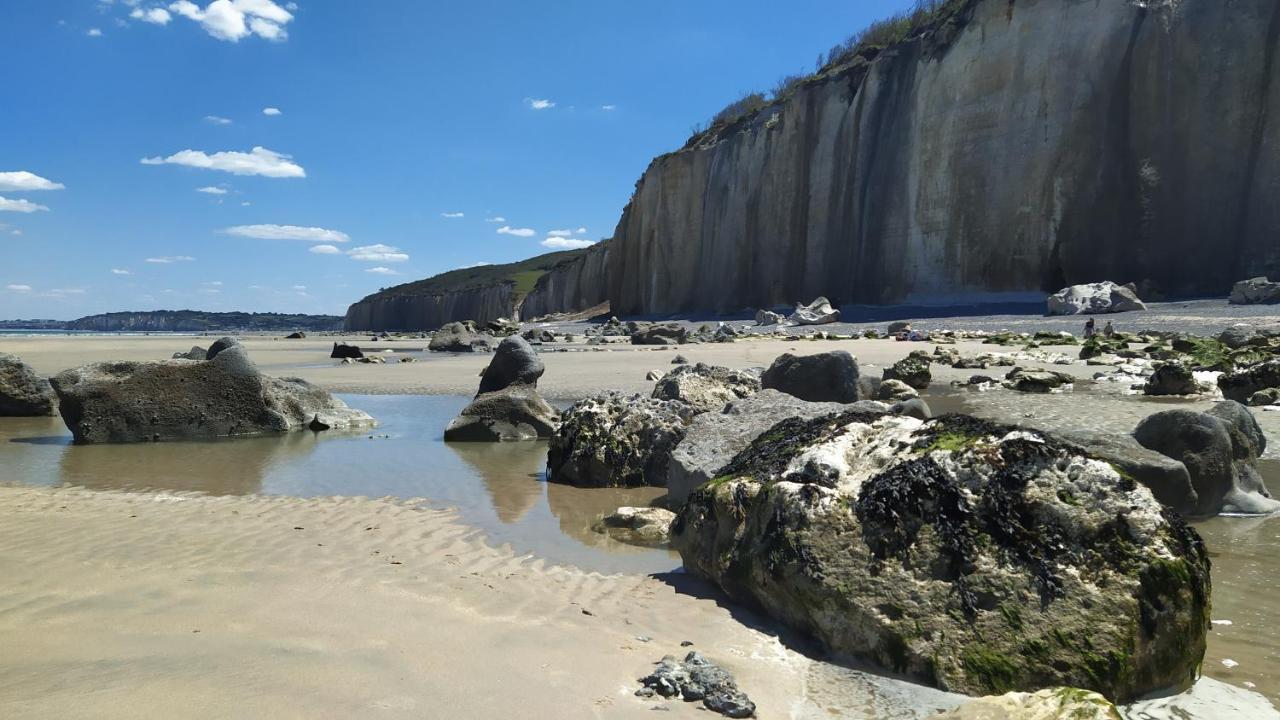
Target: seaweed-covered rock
(637,525)
(516,412)
(23,393)
(1036,381)
(514,363)
(666,334)
(615,440)
(1171,378)
(1048,704)
(697,678)
(1270,396)
(1166,478)
(824,377)
(117,402)
(975,557)
(912,370)
(1242,384)
(706,387)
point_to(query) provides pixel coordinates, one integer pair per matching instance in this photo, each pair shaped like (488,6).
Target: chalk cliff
(1013,147)
(575,284)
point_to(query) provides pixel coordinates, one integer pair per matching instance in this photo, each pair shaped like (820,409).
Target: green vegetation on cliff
(522,275)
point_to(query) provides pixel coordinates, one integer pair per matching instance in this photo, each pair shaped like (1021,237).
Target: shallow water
(498,488)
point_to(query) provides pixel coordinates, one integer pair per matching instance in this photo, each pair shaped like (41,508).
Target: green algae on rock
(972,556)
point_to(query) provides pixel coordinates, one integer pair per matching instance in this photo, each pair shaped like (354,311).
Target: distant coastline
(177,321)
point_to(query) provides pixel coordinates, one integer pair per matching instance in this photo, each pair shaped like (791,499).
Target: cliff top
(522,275)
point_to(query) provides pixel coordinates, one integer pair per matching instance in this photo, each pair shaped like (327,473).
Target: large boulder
(713,438)
(1166,478)
(1036,381)
(515,412)
(974,557)
(343,351)
(912,370)
(637,525)
(615,440)
(666,334)
(1094,299)
(1242,384)
(514,363)
(219,345)
(23,393)
(1255,291)
(1171,378)
(459,337)
(117,402)
(769,317)
(818,312)
(1218,454)
(706,387)
(825,377)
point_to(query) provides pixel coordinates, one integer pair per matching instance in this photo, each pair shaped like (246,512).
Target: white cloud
(62,292)
(495,219)
(232,20)
(169,259)
(246,203)
(15,232)
(537,104)
(300,288)
(288,232)
(451,214)
(213,283)
(324,250)
(560,233)
(581,231)
(155,15)
(518,232)
(563,243)
(18,288)
(217,120)
(22,180)
(377,253)
(120,271)
(382,271)
(608,108)
(258,161)
(212,190)
(271,111)
(22,206)
(94,32)
(482,263)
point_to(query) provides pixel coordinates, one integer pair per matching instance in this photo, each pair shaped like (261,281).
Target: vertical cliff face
(386,311)
(576,284)
(1030,144)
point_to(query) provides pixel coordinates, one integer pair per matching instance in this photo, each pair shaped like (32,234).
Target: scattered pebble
(1229,663)
(1222,622)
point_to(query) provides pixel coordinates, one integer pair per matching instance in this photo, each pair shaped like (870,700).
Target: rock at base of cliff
(1255,291)
(957,552)
(765,318)
(1094,299)
(23,393)
(706,387)
(824,377)
(514,363)
(615,440)
(460,337)
(818,312)
(116,402)
(514,413)
(666,334)
(646,526)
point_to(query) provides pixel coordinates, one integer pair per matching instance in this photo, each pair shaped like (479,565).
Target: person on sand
(1090,329)
(1109,331)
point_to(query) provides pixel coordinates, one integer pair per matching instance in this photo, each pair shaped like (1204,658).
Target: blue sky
(161,154)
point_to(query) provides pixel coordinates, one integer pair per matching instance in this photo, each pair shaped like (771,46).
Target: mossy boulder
(616,440)
(974,557)
(706,387)
(912,370)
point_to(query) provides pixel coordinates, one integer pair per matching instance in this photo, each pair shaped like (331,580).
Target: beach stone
(1270,396)
(117,402)
(914,407)
(637,526)
(1166,478)
(502,327)
(818,312)
(1094,299)
(1171,378)
(219,345)
(895,391)
(539,335)
(195,353)
(1242,384)
(1237,336)
(1036,381)
(459,337)
(965,554)
(900,326)
(1255,291)
(725,333)
(1048,704)
(970,362)
(514,363)
(666,334)
(513,413)
(706,387)
(824,377)
(679,360)
(615,440)
(912,370)
(23,393)
(298,335)
(345,352)
(697,678)
(768,317)
(713,438)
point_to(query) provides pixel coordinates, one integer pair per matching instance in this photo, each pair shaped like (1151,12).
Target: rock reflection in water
(577,509)
(510,472)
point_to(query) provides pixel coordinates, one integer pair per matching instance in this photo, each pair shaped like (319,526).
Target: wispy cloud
(381,271)
(258,161)
(22,181)
(120,271)
(288,232)
(518,232)
(217,120)
(155,15)
(18,288)
(559,233)
(94,32)
(451,214)
(608,108)
(22,206)
(233,20)
(324,250)
(539,104)
(495,219)
(169,259)
(564,243)
(581,231)
(212,190)
(377,253)
(271,111)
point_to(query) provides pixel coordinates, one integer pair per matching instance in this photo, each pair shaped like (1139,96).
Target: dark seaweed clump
(769,455)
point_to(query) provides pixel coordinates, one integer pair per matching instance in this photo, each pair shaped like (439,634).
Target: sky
(296,156)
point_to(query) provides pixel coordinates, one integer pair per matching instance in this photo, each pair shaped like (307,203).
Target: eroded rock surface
(706,387)
(23,393)
(616,440)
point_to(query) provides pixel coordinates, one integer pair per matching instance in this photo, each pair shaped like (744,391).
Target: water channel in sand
(500,489)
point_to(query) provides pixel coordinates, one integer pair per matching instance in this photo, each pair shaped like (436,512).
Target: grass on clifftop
(521,275)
